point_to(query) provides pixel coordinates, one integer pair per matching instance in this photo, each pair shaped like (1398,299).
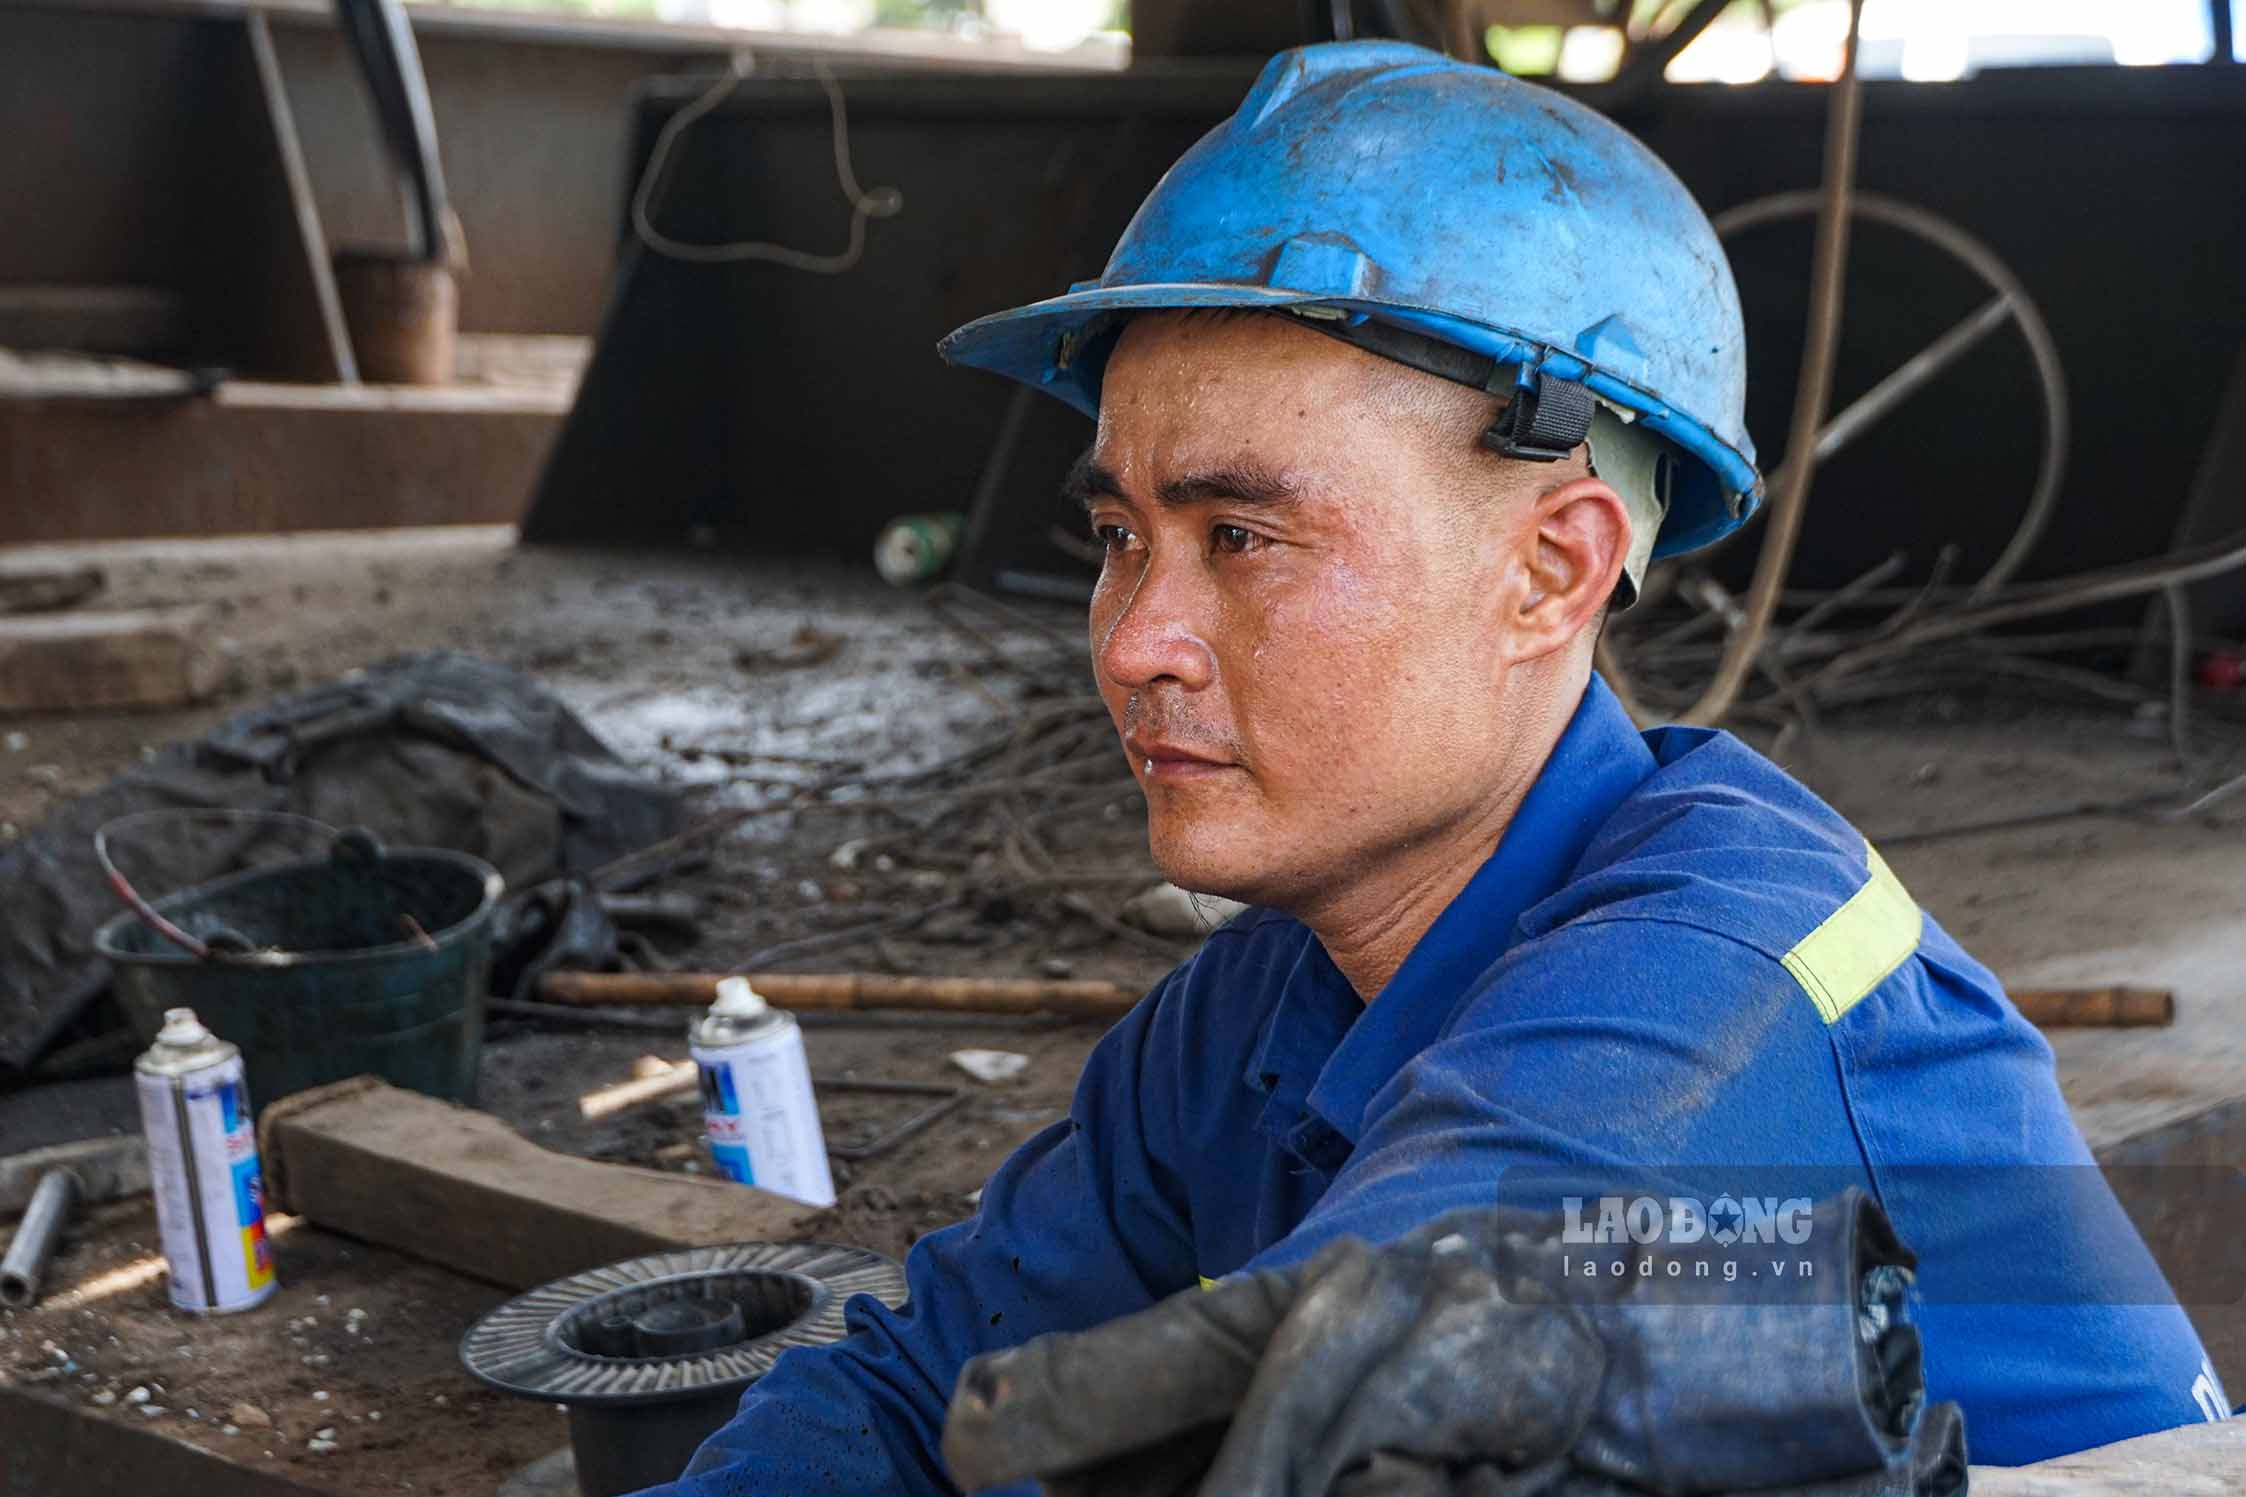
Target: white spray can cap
(737,1000)
(182,1030)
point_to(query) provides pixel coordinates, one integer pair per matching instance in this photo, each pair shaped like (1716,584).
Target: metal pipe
(1913,373)
(36,1239)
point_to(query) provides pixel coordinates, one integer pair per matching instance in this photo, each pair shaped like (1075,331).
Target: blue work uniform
(1676,959)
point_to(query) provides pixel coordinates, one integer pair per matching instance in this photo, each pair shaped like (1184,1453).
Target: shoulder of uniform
(1721,839)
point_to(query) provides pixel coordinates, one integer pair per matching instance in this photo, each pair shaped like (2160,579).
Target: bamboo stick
(846,990)
(2117,1007)
(2095,1008)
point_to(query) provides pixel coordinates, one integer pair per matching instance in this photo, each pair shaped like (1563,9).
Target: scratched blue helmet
(1456,219)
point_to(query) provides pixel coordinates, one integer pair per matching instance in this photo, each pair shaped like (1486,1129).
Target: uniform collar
(1318,1029)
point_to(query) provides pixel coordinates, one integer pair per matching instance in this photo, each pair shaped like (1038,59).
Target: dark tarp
(436,750)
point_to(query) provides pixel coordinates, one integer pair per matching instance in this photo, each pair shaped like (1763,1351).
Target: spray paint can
(757,1104)
(202,1162)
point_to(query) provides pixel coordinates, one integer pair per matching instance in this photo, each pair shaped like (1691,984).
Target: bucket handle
(148,912)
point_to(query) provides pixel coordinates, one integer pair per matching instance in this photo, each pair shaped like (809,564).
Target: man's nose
(1157,631)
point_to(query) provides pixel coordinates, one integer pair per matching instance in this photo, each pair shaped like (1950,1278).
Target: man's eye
(1233,539)
(1113,538)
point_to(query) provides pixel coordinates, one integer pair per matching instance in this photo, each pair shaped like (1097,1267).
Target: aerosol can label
(210,1193)
(762,1117)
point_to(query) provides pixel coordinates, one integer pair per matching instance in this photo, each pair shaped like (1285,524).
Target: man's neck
(1371,925)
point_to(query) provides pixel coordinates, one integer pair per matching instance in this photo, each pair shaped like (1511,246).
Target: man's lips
(1155,759)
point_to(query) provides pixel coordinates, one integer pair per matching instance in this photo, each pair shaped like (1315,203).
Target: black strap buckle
(1543,423)
(1540,424)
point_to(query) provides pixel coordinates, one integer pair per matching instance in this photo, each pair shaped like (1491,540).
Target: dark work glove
(1935,1467)
(1482,1355)
(1417,1347)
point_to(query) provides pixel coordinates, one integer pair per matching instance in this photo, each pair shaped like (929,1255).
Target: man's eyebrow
(1088,481)
(1245,482)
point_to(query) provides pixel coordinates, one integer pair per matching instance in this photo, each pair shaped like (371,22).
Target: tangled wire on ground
(1029,820)
(1869,641)
(1015,823)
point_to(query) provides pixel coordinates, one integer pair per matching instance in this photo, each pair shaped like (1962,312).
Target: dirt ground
(742,679)
(361,1341)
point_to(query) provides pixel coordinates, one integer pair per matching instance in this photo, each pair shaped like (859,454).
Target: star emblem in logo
(1724,1221)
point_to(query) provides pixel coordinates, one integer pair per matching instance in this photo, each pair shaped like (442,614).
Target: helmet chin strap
(1539,423)
(1542,420)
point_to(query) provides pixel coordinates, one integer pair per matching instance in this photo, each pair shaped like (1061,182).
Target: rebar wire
(882,202)
(2179,672)
(998,823)
(2058,595)
(2011,301)
(1820,345)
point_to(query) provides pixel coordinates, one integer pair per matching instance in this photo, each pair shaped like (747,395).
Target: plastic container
(368,961)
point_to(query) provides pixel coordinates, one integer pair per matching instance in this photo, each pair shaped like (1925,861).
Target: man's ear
(1577,538)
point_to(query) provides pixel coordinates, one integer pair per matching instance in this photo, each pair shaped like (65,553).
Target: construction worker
(1401,376)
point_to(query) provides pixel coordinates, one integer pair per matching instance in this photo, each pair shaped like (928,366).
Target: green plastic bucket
(370,961)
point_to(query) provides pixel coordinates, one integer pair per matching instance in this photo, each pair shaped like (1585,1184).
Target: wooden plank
(69,662)
(460,1188)
(2198,1460)
(59,1445)
(145,321)
(329,457)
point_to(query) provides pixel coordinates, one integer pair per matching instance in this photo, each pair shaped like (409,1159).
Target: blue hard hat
(1450,216)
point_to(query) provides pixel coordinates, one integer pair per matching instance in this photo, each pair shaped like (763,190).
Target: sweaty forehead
(1181,385)
(1165,358)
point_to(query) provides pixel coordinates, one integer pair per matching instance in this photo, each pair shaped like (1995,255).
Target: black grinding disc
(585,1339)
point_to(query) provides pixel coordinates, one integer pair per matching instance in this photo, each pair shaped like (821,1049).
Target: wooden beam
(460,1188)
(141,321)
(81,661)
(269,458)
(1085,997)
(61,1444)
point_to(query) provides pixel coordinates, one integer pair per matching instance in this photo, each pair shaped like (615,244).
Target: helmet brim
(1060,345)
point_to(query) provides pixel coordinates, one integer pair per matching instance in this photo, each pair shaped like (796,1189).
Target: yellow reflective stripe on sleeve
(1859,944)
(1207,1282)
